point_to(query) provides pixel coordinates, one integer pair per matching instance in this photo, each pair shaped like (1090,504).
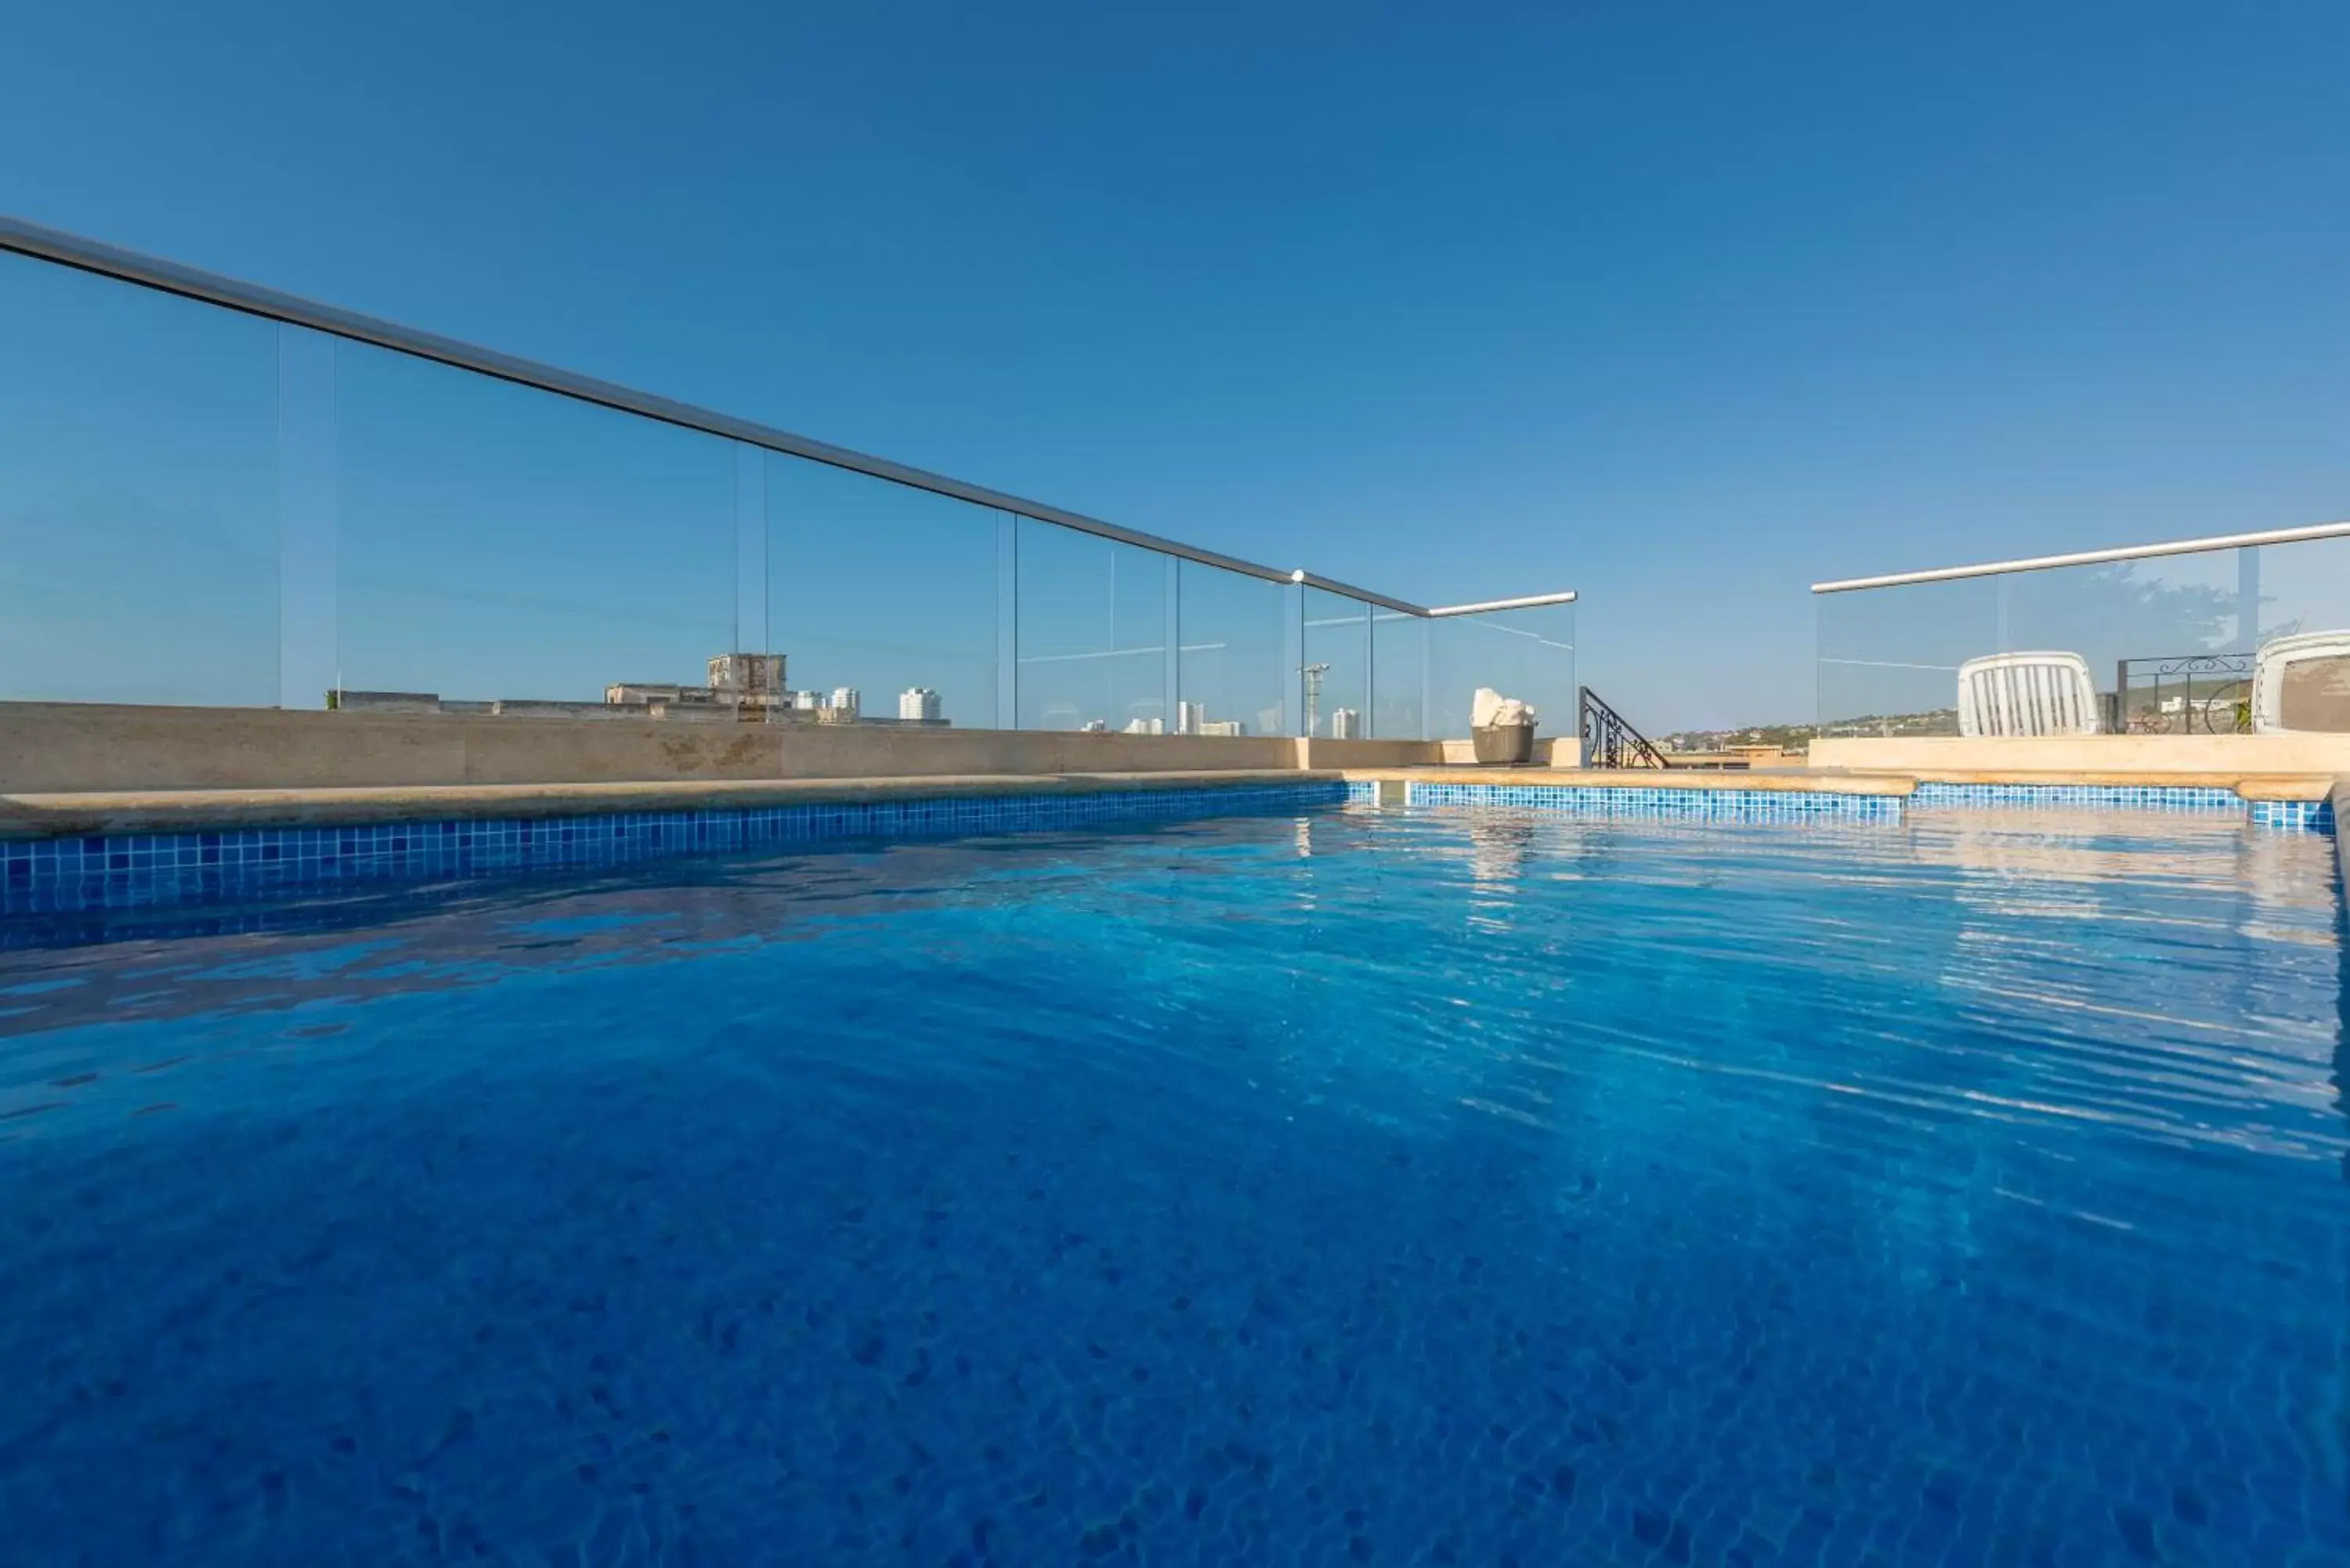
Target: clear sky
(1682,307)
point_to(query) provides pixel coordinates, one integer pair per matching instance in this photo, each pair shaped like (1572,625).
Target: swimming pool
(1414,1187)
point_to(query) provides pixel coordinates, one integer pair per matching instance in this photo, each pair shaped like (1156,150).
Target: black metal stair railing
(1608,741)
(2186,693)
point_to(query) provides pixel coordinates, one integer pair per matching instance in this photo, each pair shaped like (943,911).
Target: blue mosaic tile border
(2133,798)
(1619,801)
(1362,792)
(153,869)
(2294,815)
(2291,815)
(1781,806)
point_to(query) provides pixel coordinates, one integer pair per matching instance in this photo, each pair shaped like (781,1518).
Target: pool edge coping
(127,813)
(35,816)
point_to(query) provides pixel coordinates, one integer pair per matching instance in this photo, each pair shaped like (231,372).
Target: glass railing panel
(2171,644)
(2159,635)
(883,591)
(307,525)
(139,494)
(1229,677)
(1093,633)
(1889,658)
(1335,679)
(2303,590)
(1528,654)
(502,544)
(2303,669)
(1399,676)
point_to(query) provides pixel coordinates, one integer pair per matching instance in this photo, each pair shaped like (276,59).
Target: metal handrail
(1532,601)
(2092,557)
(45,244)
(1607,738)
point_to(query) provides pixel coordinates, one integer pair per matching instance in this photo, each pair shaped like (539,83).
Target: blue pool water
(1406,1188)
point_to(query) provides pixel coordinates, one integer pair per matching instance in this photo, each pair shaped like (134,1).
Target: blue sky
(1682,307)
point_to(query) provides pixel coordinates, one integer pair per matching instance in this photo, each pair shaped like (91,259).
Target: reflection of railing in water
(2182,694)
(1607,739)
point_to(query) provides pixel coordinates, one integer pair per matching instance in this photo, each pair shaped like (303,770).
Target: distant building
(1346,724)
(738,681)
(1095,727)
(1145,726)
(1190,717)
(756,677)
(647,699)
(657,694)
(1221,727)
(744,686)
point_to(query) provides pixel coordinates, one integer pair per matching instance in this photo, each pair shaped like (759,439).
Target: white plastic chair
(2303,683)
(2027,694)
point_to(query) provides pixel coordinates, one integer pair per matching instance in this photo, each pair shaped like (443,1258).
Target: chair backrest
(2303,683)
(2027,694)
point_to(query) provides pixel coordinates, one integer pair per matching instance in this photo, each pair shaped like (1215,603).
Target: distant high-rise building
(1346,724)
(1190,717)
(1314,674)
(807,702)
(1145,726)
(919,702)
(844,704)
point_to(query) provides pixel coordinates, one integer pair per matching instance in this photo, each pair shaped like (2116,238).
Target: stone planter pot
(1505,743)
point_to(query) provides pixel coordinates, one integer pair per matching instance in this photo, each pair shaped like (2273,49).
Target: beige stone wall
(54,747)
(1937,756)
(1319,754)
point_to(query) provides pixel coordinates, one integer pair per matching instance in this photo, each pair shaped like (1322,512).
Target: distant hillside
(1799,737)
